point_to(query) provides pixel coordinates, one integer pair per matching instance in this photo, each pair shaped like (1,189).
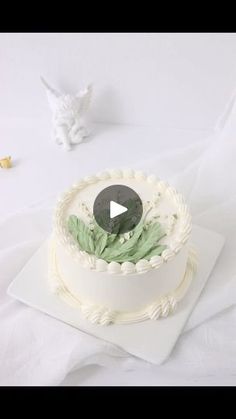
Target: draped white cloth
(36,349)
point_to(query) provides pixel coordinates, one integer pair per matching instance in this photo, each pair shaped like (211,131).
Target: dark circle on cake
(120,197)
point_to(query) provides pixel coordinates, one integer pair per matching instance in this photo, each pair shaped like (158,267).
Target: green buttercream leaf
(111,238)
(144,242)
(81,233)
(156,251)
(73,226)
(150,237)
(100,240)
(119,251)
(140,247)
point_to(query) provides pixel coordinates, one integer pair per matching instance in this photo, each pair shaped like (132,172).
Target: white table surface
(41,170)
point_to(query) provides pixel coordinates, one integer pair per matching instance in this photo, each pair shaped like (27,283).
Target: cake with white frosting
(122,278)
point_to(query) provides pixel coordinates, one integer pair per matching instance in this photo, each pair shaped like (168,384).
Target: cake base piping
(104,316)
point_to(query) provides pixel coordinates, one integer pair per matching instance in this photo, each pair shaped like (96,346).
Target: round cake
(122,278)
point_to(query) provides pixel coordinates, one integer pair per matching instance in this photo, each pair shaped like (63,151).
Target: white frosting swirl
(89,261)
(127,267)
(168,254)
(142,266)
(98,314)
(162,308)
(156,261)
(163,185)
(152,179)
(101,265)
(128,173)
(81,184)
(90,179)
(140,175)
(154,311)
(114,268)
(103,175)
(165,307)
(116,173)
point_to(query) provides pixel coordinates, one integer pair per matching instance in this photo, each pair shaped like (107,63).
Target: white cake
(123,292)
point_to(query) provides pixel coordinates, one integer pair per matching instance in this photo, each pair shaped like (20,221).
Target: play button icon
(117,209)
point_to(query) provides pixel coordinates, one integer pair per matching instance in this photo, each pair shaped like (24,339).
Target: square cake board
(150,340)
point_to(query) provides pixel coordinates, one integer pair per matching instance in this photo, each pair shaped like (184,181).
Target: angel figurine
(69,115)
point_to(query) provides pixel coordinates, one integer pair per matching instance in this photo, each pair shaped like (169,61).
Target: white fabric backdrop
(38,350)
(178,80)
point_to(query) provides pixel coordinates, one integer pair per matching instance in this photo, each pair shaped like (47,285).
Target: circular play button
(117,209)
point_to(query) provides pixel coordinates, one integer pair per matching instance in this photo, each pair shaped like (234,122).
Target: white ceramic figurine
(69,115)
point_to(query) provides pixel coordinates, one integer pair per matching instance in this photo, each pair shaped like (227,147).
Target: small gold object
(5,163)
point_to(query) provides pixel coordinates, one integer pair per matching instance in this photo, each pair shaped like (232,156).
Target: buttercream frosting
(128,292)
(99,314)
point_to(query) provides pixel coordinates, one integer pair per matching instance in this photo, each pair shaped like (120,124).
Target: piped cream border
(104,316)
(143,265)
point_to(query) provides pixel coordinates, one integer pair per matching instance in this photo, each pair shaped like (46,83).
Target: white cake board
(150,340)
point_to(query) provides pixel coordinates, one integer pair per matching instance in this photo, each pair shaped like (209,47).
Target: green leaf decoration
(139,248)
(114,246)
(146,239)
(144,242)
(100,240)
(81,233)
(115,253)
(111,238)
(156,251)
(73,224)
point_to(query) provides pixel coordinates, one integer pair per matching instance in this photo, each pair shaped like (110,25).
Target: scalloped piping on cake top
(99,314)
(142,266)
